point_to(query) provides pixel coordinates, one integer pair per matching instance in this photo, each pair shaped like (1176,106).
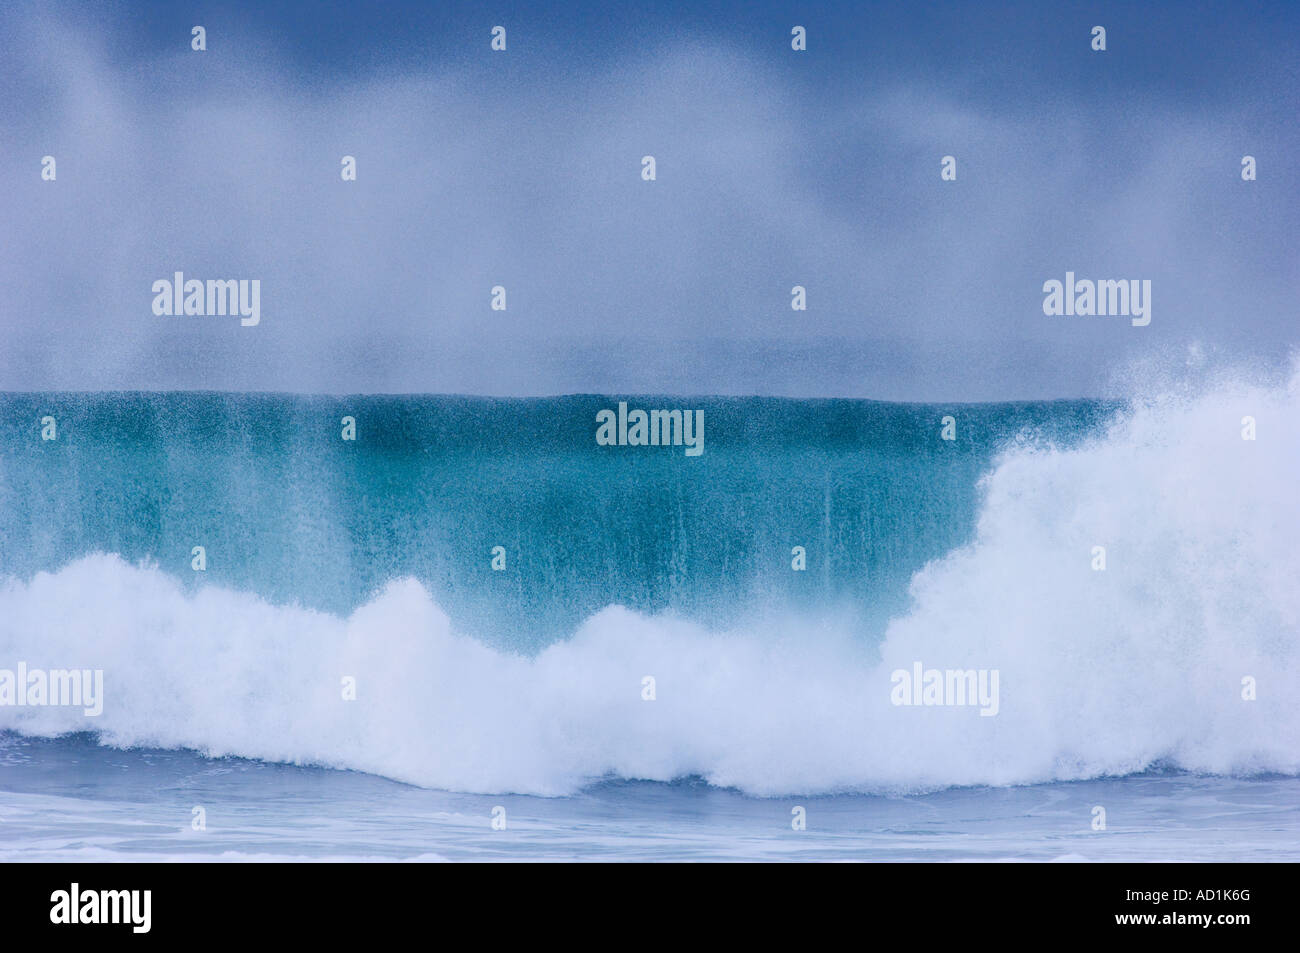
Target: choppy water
(72,800)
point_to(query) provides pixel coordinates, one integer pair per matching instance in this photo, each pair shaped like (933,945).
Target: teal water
(289,510)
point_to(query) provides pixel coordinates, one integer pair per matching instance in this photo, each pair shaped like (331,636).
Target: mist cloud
(473,174)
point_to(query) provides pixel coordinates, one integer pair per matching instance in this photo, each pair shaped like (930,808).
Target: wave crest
(1101,672)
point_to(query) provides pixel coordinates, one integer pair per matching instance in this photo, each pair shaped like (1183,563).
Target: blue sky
(521,169)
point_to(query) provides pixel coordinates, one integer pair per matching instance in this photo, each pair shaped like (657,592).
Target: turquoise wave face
(286,508)
(784,688)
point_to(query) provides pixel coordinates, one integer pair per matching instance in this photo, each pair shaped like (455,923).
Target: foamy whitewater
(768,682)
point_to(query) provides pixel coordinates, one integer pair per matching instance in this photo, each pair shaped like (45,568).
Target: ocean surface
(648,676)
